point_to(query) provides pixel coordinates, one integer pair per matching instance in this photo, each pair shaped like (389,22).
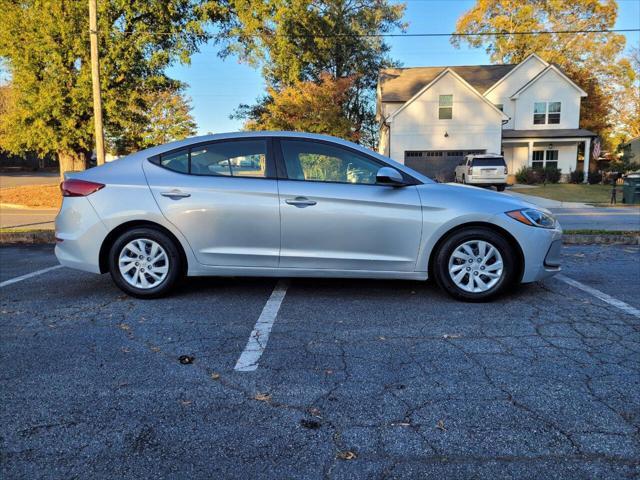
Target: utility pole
(95,80)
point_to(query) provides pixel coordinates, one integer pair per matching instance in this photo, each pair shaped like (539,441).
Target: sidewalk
(547,202)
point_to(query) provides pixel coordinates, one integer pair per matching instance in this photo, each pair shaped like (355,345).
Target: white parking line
(625,307)
(11,281)
(248,361)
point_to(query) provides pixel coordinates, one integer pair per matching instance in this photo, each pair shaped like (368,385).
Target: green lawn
(569,192)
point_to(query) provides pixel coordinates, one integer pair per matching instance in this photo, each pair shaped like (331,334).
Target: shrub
(551,174)
(577,176)
(521,174)
(594,177)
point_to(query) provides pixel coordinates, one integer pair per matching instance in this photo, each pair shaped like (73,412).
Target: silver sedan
(286,204)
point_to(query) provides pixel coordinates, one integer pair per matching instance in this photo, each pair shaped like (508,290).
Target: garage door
(437,164)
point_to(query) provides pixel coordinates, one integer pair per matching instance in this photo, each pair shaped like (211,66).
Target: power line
(408,35)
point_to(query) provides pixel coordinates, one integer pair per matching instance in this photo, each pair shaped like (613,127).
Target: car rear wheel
(475,265)
(145,263)
(500,188)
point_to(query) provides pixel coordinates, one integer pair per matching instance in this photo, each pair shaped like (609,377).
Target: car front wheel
(475,265)
(145,263)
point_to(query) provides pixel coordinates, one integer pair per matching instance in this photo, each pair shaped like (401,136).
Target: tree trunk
(71,162)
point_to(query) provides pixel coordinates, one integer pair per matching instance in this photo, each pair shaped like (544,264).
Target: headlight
(533,217)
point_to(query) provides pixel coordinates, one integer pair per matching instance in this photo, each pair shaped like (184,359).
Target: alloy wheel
(143,263)
(476,266)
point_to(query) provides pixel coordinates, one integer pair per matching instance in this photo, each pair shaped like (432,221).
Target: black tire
(440,265)
(175,264)
(464,179)
(500,188)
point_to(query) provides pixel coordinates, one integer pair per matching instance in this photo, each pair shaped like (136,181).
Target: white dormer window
(445,107)
(546,112)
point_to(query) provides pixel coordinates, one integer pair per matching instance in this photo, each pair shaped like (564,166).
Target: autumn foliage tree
(308,106)
(593,60)
(301,41)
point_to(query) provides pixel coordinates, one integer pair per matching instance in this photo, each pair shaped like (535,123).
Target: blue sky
(217,87)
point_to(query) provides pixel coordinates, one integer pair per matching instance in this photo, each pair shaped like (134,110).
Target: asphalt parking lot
(358,379)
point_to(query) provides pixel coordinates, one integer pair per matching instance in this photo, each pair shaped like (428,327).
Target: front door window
(319,162)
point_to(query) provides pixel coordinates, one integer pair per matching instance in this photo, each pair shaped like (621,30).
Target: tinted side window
(244,158)
(306,160)
(177,161)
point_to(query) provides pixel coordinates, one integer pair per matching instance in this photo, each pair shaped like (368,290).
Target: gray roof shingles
(400,84)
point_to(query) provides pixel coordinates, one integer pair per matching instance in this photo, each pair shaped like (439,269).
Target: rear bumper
(80,234)
(471,180)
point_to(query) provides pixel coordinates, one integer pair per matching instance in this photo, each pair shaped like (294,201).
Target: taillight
(79,188)
(505,170)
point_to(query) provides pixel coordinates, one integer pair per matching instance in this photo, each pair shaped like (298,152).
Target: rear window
(488,162)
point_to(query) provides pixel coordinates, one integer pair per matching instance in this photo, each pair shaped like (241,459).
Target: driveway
(352,378)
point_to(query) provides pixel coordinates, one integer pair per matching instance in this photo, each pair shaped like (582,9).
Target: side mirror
(390,176)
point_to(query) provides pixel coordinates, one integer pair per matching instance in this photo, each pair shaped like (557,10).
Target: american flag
(596,148)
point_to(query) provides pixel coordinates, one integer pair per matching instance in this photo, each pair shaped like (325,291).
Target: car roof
(485,155)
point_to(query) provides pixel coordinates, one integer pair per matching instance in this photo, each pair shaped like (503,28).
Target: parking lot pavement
(359,379)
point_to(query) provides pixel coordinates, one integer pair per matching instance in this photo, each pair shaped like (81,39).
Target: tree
(308,106)
(302,40)
(592,60)
(46,46)
(626,116)
(167,117)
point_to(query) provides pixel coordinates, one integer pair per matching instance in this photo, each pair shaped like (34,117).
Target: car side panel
(350,227)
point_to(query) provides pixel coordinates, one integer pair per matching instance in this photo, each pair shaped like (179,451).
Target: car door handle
(300,202)
(175,194)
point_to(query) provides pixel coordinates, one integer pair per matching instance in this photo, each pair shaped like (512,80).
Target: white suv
(485,170)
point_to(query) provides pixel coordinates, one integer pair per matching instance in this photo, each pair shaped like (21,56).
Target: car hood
(464,197)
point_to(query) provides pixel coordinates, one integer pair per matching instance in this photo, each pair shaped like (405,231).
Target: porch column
(530,153)
(587,159)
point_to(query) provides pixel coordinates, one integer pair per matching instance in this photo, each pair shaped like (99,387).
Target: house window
(500,107)
(554,113)
(544,112)
(445,107)
(539,113)
(551,158)
(544,158)
(413,154)
(537,161)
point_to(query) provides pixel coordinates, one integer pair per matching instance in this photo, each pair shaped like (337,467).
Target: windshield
(488,162)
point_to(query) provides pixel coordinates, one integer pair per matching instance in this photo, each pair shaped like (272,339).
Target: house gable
(447,72)
(521,74)
(417,126)
(551,85)
(544,73)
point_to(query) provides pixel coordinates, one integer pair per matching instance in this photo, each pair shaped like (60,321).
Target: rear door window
(488,162)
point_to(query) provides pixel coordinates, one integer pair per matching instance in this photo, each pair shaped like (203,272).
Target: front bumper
(540,247)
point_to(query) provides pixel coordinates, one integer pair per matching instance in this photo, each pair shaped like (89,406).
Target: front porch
(542,148)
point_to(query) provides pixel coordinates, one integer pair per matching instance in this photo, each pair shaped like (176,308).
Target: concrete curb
(608,239)
(48,236)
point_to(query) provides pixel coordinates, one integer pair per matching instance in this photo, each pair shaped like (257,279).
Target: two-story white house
(431,117)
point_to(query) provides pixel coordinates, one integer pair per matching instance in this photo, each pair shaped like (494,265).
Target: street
(599,218)
(357,378)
